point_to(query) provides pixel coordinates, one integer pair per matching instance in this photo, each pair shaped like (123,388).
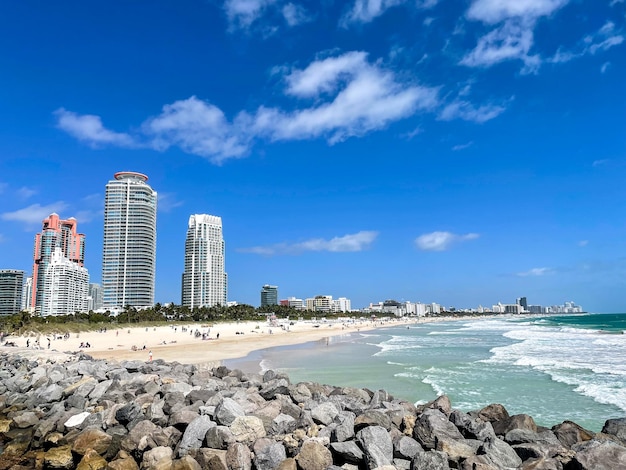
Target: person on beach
(150,356)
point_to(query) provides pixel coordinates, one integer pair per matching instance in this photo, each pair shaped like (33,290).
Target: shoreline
(205,344)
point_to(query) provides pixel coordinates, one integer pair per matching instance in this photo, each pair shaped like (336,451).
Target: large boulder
(433,426)
(377,446)
(598,455)
(616,427)
(570,433)
(268,454)
(247,429)
(227,410)
(194,434)
(314,456)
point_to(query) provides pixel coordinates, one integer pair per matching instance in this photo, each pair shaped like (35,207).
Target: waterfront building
(129,245)
(320,303)
(205,282)
(27,295)
(293,303)
(55,234)
(65,288)
(95,297)
(269,295)
(342,304)
(11,289)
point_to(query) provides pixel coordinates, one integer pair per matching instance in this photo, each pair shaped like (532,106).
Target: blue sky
(460,152)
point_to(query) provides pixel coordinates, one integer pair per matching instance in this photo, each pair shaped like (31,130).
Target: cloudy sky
(455,151)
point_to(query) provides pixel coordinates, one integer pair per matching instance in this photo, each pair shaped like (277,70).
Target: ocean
(553,368)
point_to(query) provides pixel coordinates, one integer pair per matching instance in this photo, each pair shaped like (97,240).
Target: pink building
(56,233)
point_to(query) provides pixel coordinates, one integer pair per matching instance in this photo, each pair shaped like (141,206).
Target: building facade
(65,288)
(129,246)
(95,297)
(56,234)
(205,283)
(269,295)
(11,291)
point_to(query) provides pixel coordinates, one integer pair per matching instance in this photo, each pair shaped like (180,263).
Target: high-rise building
(269,295)
(55,234)
(205,283)
(65,288)
(129,247)
(27,295)
(11,288)
(95,297)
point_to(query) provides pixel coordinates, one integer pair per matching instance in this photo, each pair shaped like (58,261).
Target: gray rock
(182,418)
(372,418)
(501,454)
(616,427)
(300,393)
(268,454)
(277,386)
(376,444)
(194,434)
(219,437)
(347,451)
(227,411)
(433,426)
(431,460)
(406,448)
(238,457)
(344,430)
(324,413)
(472,427)
(283,424)
(598,455)
(128,413)
(26,419)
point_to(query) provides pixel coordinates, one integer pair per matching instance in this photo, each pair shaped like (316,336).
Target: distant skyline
(462,153)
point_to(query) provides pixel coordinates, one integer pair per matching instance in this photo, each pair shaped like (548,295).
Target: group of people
(83,345)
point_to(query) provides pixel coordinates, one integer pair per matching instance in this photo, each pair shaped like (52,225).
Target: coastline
(184,343)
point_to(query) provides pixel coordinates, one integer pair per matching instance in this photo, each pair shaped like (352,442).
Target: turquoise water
(552,368)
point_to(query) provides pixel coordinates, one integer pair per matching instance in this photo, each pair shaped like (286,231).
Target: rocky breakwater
(87,414)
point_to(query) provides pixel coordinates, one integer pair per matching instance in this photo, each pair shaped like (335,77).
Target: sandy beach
(196,343)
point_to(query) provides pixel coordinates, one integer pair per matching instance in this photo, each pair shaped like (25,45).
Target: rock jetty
(85,414)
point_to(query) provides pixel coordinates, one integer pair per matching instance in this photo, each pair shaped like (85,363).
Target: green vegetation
(157,315)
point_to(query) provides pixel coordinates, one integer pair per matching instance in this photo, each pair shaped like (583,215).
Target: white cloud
(494,11)
(34,214)
(25,193)
(583,243)
(468,112)
(167,202)
(615,2)
(364,11)
(295,14)
(601,162)
(198,128)
(242,13)
(367,97)
(535,272)
(511,41)
(605,67)
(441,241)
(88,128)
(600,41)
(462,146)
(2,238)
(348,243)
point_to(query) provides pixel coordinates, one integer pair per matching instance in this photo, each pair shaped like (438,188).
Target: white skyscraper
(204,279)
(129,248)
(65,286)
